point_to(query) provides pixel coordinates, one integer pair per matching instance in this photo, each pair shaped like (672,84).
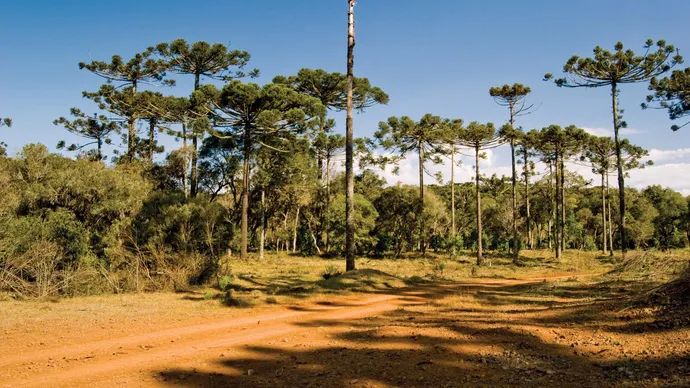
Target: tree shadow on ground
(504,340)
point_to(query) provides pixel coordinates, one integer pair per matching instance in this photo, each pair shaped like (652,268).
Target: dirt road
(494,332)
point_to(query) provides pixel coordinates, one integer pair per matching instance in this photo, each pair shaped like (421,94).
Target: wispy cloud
(670,169)
(598,131)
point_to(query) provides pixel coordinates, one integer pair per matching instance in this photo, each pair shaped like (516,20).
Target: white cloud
(598,131)
(671,169)
(664,156)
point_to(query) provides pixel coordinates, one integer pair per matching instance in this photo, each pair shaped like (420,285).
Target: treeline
(256,170)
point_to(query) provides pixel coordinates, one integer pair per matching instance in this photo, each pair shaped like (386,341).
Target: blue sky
(437,56)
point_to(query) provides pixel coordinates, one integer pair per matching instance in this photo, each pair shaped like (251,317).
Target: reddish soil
(491,332)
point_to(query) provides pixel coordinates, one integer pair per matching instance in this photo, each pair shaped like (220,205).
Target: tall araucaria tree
(453,133)
(128,75)
(514,98)
(202,59)
(558,145)
(479,137)
(349,141)
(600,152)
(673,94)
(425,137)
(96,129)
(613,69)
(252,114)
(331,89)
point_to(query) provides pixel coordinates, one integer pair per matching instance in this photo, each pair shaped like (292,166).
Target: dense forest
(258,168)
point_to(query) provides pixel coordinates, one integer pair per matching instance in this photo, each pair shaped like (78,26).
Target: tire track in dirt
(85,363)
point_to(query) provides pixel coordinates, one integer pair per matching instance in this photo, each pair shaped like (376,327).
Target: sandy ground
(484,332)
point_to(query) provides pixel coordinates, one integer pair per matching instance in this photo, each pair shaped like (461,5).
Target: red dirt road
(131,359)
(490,332)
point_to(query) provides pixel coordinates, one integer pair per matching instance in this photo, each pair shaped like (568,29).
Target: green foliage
(364,216)
(671,93)
(670,221)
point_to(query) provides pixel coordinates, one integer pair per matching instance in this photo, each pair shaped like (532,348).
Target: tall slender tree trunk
(452,201)
(480,258)
(327,223)
(528,216)
(132,130)
(186,164)
(420,214)
(608,210)
(515,240)
(563,209)
(193,177)
(619,166)
(557,225)
(195,146)
(349,145)
(244,224)
(552,198)
(262,232)
(603,215)
(152,139)
(294,231)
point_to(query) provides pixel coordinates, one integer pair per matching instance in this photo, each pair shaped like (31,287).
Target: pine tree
(613,69)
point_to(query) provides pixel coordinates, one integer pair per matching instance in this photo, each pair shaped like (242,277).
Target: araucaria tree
(673,94)
(201,59)
(252,114)
(453,133)
(557,145)
(349,142)
(96,130)
(601,154)
(514,98)
(479,137)
(613,69)
(330,88)
(127,75)
(425,137)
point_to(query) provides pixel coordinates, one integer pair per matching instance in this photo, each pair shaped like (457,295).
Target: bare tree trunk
(516,244)
(608,210)
(420,214)
(327,228)
(152,139)
(556,214)
(186,165)
(562,214)
(262,232)
(294,231)
(603,215)
(530,240)
(349,145)
(552,218)
(132,130)
(195,157)
(193,176)
(244,225)
(619,166)
(452,201)
(480,258)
